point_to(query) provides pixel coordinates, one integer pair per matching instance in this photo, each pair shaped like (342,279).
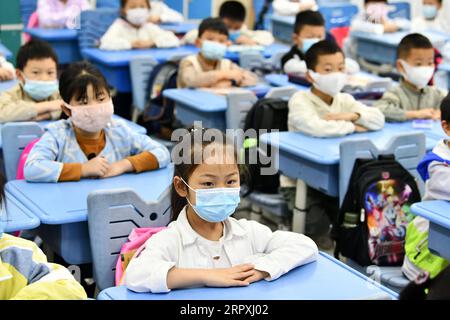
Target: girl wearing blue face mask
(36,96)
(432,17)
(209,68)
(204,245)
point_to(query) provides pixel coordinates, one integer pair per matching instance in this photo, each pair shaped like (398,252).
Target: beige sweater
(16,105)
(193,73)
(396,101)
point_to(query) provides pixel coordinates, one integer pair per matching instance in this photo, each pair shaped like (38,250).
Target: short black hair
(34,50)
(233,10)
(445,109)
(124,2)
(77,77)
(212,24)
(308,18)
(320,48)
(412,41)
(369,1)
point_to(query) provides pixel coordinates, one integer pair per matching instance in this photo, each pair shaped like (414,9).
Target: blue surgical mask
(216,204)
(308,43)
(429,11)
(213,50)
(40,90)
(234,35)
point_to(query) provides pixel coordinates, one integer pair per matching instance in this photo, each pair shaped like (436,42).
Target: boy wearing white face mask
(324,111)
(90,144)
(309,28)
(36,96)
(204,245)
(413,98)
(133,31)
(209,69)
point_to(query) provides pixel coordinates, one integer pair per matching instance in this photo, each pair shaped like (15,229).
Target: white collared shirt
(243,241)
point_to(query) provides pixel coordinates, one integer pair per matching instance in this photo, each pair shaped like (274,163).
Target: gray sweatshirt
(396,101)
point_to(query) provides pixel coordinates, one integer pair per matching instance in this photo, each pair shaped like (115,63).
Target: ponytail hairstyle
(196,151)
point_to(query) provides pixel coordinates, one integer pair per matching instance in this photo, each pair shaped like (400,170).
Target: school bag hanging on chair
(270,114)
(375,212)
(158,116)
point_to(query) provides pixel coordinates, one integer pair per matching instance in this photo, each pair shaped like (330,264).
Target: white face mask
(331,83)
(138,16)
(418,76)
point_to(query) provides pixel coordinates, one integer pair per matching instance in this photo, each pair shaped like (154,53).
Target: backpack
(131,249)
(23,158)
(158,116)
(270,114)
(374,215)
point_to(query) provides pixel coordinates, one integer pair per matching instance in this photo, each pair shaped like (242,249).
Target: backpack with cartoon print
(375,212)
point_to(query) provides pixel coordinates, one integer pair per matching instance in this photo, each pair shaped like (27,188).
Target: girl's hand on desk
(350,116)
(6,74)
(142,44)
(229,277)
(258,275)
(118,168)
(95,168)
(154,19)
(359,128)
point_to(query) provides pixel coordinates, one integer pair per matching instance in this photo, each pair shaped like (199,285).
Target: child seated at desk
(413,98)
(374,19)
(36,96)
(233,15)
(419,263)
(25,273)
(323,111)
(162,13)
(209,68)
(433,17)
(204,245)
(7,70)
(309,28)
(133,31)
(58,14)
(292,7)
(90,144)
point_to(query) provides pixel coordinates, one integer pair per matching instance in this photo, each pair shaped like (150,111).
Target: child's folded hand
(49,106)
(244,40)
(436,114)
(350,116)
(142,44)
(258,275)
(95,168)
(118,168)
(236,75)
(154,19)
(425,114)
(229,277)
(359,128)
(6,74)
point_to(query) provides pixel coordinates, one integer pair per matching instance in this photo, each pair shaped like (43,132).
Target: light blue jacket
(59,145)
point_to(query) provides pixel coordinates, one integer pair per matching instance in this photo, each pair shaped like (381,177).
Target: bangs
(80,86)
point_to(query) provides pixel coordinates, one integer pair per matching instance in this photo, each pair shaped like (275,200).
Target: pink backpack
(23,158)
(133,248)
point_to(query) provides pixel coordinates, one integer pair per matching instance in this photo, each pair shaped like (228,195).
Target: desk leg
(299,214)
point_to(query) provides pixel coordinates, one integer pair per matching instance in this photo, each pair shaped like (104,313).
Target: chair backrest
(250,59)
(284,93)
(115,4)
(275,60)
(338,15)
(93,25)
(140,70)
(258,6)
(401,10)
(408,149)
(239,104)
(15,137)
(112,214)
(27,7)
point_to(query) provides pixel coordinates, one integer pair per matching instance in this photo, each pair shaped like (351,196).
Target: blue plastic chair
(258,5)
(114,4)
(408,150)
(15,137)
(338,15)
(27,7)
(402,10)
(140,70)
(94,24)
(112,214)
